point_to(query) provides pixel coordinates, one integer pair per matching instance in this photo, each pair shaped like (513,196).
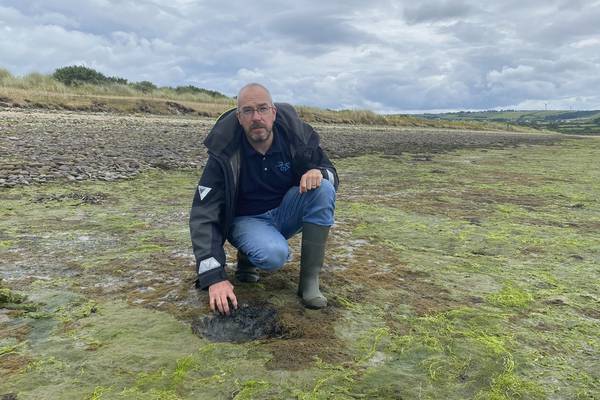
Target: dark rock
(176,108)
(474,220)
(421,157)
(85,198)
(244,324)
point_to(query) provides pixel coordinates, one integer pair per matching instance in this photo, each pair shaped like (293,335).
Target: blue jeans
(263,237)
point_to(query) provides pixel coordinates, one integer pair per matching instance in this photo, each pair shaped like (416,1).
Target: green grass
(365,117)
(474,275)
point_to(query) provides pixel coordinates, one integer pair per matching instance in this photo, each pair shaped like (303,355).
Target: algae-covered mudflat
(472,273)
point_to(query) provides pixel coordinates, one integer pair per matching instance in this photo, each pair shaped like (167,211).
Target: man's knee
(271,256)
(326,191)
(320,209)
(323,196)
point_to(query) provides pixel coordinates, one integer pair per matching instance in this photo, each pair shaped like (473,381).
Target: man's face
(256,114)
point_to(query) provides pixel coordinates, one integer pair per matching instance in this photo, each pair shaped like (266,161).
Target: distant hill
(569,122)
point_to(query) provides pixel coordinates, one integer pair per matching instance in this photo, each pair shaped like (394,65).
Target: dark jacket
(215,199)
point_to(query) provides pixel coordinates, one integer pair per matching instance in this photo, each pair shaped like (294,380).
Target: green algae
(6,244)
(449,353)
(473,275)
(7,296)
(538,236)
(10,348)
(511,296)
(114,336)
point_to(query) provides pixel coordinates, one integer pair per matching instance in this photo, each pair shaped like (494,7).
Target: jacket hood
(225,135)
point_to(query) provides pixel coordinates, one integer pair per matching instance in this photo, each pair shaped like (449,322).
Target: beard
(258,133)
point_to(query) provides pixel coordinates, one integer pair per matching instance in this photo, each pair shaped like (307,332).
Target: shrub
(196,90)
(5,75)
(144,86)
(116,79)
(77,74)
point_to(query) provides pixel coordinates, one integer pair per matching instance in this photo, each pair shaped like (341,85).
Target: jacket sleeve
(312,156)
(206,226)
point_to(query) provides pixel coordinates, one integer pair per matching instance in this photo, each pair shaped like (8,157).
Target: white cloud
(586,43)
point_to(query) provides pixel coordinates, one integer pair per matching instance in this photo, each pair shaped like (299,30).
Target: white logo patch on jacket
(203,191)
(207,265)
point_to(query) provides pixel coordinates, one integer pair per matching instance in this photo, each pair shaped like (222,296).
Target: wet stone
(248,322)
(85,198)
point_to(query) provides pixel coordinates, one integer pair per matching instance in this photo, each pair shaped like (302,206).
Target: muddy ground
(461,265)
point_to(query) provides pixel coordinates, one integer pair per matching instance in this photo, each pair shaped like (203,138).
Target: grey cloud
(472,32)
(316,29)
(433,11)
(146,18)
(570,25)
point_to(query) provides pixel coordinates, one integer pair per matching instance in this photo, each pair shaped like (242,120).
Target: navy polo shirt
(264,179)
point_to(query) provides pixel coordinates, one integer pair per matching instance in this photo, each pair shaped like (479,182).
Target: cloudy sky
(387,56)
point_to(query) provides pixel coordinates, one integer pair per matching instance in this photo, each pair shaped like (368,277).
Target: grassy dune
(472,274)
(123,104)
(42,91)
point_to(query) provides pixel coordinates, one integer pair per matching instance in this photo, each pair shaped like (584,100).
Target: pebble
(46,146)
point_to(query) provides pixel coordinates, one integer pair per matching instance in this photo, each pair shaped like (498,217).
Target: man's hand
(218,294)
(310,180)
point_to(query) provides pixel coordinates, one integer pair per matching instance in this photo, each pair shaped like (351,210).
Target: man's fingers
(310,180)
(233,300)
(225,305)
(303,184)
(313,182)
(222,305)
(219,295)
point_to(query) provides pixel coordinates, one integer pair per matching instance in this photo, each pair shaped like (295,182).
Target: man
(265,180)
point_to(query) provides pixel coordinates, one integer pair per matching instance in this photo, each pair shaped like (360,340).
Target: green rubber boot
(314,238)
(246,271)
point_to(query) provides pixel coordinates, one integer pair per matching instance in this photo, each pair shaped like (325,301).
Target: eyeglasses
(248,112)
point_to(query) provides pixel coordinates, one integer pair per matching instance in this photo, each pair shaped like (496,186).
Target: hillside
(564,121)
